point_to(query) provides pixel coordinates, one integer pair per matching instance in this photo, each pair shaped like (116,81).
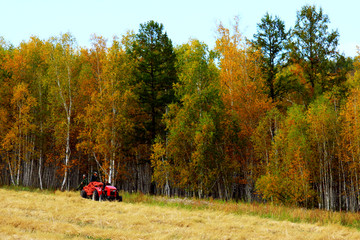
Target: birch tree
(242,92)
(17,141)
(62,85)
(106,118)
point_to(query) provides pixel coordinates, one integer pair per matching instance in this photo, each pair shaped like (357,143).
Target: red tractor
(99,191)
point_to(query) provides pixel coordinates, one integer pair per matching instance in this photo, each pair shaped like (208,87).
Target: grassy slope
(64,215)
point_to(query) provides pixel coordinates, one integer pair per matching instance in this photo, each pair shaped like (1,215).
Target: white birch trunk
(11,172)
(67,109)
(41,134)
(39,171)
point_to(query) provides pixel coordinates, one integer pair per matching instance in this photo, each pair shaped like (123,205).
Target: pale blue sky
(19,19)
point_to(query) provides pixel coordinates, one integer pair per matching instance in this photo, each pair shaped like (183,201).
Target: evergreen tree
(313,44)
(270,38)
(154,75)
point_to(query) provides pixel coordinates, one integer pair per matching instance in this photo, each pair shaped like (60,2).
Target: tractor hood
(110,188)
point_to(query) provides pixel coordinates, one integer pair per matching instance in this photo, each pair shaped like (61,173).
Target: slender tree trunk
(67,108)
(67,154)
(113,145)
(11,171)
(39,170)
(19,151)
(340,191)
(18,168)
(41,138)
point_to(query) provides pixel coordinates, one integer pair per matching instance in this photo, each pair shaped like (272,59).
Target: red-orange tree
(242,92)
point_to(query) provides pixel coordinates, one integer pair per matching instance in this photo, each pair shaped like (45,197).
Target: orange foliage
(242,89)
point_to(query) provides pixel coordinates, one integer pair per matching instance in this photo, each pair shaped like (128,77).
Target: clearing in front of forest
(65,215)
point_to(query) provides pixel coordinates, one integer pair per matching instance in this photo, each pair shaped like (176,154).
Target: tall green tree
(190,160)
(270,39)
(314,44)
(154,74)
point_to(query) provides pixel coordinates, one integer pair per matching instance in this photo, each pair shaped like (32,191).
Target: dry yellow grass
(64,215)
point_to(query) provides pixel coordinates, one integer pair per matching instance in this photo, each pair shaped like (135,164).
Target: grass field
(65,215)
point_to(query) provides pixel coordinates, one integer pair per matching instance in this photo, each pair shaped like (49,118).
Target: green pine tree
(154,75)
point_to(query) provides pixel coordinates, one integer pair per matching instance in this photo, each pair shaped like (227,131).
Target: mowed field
(65,215)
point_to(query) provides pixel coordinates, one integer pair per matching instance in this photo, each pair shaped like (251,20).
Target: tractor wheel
(95,196)
(119,198)
(83,194)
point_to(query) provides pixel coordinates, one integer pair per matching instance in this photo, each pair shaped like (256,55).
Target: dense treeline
(275,118)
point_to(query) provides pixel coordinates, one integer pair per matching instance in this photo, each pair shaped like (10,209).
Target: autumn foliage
(233,122)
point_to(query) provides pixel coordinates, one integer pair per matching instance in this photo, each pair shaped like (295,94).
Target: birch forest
(274,118)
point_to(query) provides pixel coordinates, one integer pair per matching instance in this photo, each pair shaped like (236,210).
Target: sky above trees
(182,19)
